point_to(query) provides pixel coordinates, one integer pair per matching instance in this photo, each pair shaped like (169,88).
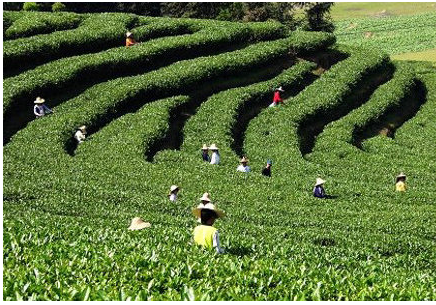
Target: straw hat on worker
(129,34)
(138,224)
(215,159)
(39,100)
(319,181)
(174,189)
(401,176)
(208,206)
(205,198)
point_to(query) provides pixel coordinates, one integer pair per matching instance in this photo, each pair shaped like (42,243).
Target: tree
(318,16)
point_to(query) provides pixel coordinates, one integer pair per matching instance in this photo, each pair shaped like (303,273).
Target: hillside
(351,115)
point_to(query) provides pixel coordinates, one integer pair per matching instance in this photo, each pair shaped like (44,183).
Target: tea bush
(65,217)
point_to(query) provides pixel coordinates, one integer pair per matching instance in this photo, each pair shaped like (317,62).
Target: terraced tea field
(351,115)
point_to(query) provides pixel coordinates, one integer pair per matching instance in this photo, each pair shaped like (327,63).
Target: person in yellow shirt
(206,235)
(400,183)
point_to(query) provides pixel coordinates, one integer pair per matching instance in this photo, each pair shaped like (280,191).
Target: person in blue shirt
(205,153)
(318,190)
(40,109)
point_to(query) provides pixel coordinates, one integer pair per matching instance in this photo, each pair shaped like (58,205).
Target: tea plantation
(351,115)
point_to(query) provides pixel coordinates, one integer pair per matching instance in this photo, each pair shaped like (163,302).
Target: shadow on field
(394,117)
(239,251)
(360,93)
(20,113)
(324,242)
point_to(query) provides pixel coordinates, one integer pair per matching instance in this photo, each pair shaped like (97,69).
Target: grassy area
(345,10)
(394,35)
(428,55)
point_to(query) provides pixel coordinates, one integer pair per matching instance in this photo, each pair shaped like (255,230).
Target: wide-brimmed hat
(209,206)
(205,147)
(173,188)
(82,128)
(280,89)
(213,147)
(138,224)
(128,34)
(401,175)
(205,197)
(319,181)
(243,160)
(39,100)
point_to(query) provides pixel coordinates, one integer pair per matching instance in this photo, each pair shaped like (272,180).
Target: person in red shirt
(277,98)
(129,39)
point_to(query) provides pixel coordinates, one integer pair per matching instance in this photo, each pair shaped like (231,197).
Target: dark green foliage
(33,23)
(65,217)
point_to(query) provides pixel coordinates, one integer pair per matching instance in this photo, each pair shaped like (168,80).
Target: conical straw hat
(209,206)
(205,197)
(280,89)
(401,175)
(39,100)
(319,181)
(128,34)
(205,147)
(213,147)
(138,224)
(173,188)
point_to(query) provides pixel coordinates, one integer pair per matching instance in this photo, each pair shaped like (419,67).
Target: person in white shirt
(80,134)
(215,159)
(243,167)
(174,189)
(40,109)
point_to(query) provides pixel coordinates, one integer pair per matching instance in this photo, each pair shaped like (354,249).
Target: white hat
(173,188)
(280,89)
(243,160)
(319,181)
(213,147)
(205,197)
(128,34)
(205,147)
(83,129)
(138,224)
(401,175)
(209,206)
(39,100)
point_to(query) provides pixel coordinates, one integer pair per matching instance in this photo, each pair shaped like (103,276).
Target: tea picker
(215,154)
(318,190)
(205,199)
(205,153)
(243,167)
(40,109)
(174,189)
(267,170)
(400,183)
(130,41)
(277,98)
(206,235)
(80,134)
